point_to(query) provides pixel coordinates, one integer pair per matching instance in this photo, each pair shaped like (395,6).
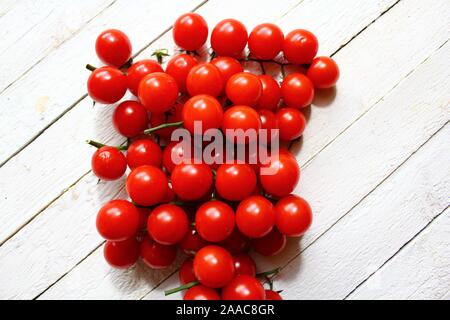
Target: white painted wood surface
(375,155)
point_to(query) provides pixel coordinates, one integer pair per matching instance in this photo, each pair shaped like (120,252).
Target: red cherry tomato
(297,91)
(244,264)
(300,46)
(204,78)
(265,41)
(235,182)
(200,292)
(173,115)
(214,221)
(190,31)
(144,152)
(113,47)
(192,242)
(175,150)
(271,244)
(284,178)
(108,163)
(291,123)
(147,185)
(269,122)
(143,217)
(202,108)
(191,181)
(241,117)
(270,94)
(273,295)
(138,71)
(158,92)
(293,216)
(121,254)
(186,272)
(244,287)
(323,72)
(236,243)
(118,220)
(156,255)
(168,224)
(255,216)
(107,85)
(130,118)
(227,67)
(229,38)
(244,89)
(178,67)
(213,266)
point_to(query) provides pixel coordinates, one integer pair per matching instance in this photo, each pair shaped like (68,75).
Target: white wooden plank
(354,164)
(59,80)
(33,29)
(374,231)
(421,270)
(75,158)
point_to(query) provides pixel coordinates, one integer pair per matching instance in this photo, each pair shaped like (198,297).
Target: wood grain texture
(420,271)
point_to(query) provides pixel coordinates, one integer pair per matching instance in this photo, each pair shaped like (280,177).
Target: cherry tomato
(202,108)
(300,46)
(108,163)
(297,91)
(265,41)
(192,242)
(158,92)
(229,38)
(236,243)
(113,47)
(293,216)
(285,174)
(291,123)
(191,181)
(118,220)
(144,152)
(107,85)
(227,67)
(138,71)
(175,150)
(269,122)
(235,182)
(270,94)
(121,254)
(186,272)
(204,78)
(255,216)
(144,213)
(147,185)
(190,31)
(156,255)
(244,287)
(273,295)
(244,89)
(271,244)
(214,221)
(130,118)
(168,224)
(173,115)
(241,117)
(244,264)
(213,266)
(200,292)
(323,72)
(178,67)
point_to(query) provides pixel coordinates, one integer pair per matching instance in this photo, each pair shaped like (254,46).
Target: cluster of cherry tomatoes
(215,213)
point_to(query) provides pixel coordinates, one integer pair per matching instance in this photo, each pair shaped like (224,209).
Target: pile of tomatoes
(214,213)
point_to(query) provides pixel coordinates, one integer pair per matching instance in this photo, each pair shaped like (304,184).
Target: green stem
(268,273)
(181,288)
(99,145)
(162,126)
(160,54)
(90,67)
(178,203)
